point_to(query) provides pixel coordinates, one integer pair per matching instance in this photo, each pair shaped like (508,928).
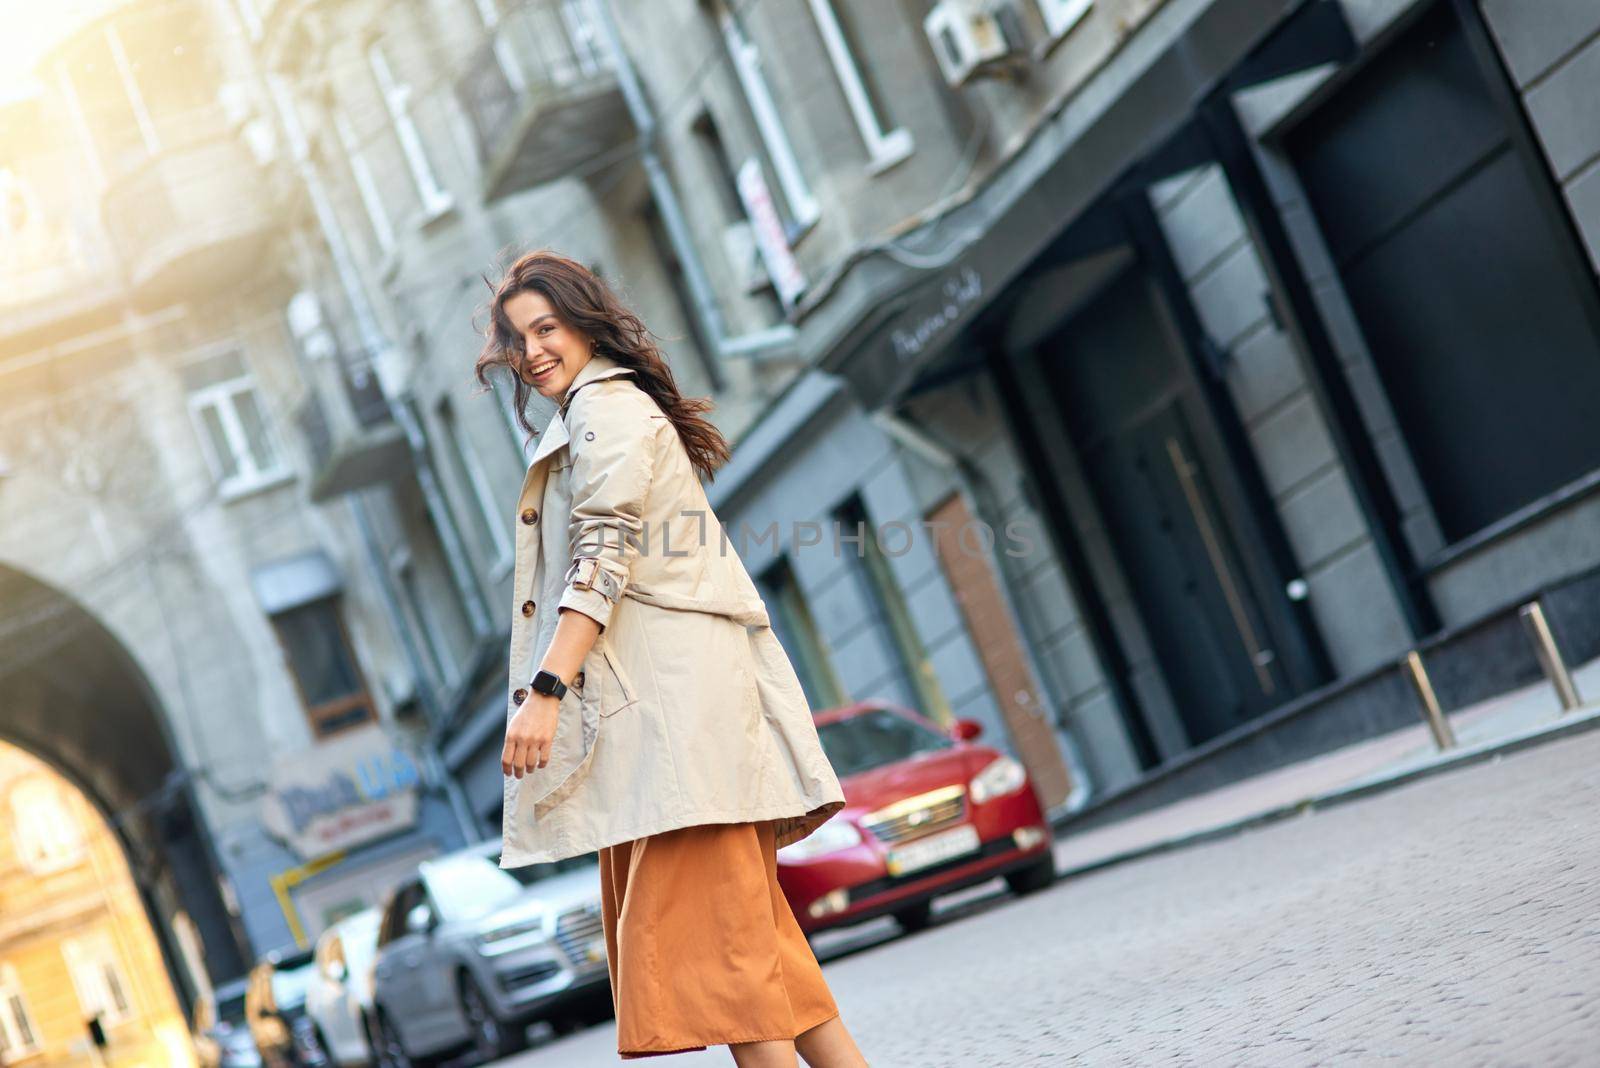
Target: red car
(926,812)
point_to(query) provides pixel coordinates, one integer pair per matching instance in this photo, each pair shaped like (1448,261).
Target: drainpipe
(774,342)
(977,487)
(453,792)
(374,341)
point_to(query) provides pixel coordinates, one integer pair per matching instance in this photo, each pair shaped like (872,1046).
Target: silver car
(469,954)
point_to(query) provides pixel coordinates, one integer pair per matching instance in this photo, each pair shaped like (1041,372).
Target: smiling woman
(664,725)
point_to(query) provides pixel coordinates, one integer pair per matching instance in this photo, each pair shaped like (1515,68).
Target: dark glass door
(1121,384)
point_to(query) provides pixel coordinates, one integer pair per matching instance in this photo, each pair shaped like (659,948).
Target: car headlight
(1002,776)
(512,930)
(836,834)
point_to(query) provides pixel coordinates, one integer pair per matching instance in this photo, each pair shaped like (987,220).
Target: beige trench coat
(687,710)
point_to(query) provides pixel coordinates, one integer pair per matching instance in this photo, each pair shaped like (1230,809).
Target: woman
(653,715)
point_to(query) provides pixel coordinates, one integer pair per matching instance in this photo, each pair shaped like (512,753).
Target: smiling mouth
(540,369)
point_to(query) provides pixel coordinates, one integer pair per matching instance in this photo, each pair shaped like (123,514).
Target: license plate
(925,852)
(596,950)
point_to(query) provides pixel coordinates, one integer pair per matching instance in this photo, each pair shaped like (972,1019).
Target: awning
(295,581)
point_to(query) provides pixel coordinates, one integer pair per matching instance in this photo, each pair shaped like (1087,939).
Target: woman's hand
(529,734)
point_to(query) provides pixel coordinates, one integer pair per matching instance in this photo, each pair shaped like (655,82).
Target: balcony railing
(542,97)
(349,432)
(191,220)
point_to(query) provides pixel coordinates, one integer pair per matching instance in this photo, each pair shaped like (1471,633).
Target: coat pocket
(616,689)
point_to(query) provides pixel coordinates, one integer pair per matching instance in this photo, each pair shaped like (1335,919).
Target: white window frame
(93,964)
(251,476)
(747,65)
(482,495)
(17,1027)
(366,187)
(48,837)
(885,148)
(504,54)
(1060,16)
(583,38)
(436,200)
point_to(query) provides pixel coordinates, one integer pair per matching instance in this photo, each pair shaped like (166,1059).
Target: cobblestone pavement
(1454,921)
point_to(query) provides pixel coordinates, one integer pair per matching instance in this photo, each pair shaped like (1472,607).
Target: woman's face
(551,352)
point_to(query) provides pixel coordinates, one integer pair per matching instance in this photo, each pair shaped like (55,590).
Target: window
(423,613)
(18,1036)
(468,467)
(506,400)
(505,52)
(885,148)
(746,59)
(317,647)
(1060,16)
(397,99)
(667,256)
(366,187)
(48,837)
(97,977)
(227,412)
(911,680)
(1478,310)
(797,632)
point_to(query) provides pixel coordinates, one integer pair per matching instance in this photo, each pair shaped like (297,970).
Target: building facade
(209,502)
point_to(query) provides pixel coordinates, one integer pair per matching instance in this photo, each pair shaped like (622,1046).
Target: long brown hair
(584,302)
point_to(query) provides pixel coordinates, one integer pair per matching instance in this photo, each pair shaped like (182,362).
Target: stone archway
(71,695)
(76,940)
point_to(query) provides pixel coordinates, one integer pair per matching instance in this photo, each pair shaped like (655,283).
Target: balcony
(542,98)
(349,432)
(189,221)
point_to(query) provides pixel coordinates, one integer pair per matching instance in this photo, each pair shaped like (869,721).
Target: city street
(1452,921)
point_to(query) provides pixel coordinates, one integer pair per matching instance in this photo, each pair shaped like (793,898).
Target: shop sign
(776,255)
(342,792)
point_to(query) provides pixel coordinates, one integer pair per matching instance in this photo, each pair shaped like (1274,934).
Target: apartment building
(198,472)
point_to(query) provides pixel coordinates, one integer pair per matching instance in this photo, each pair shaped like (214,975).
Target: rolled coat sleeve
(613,444)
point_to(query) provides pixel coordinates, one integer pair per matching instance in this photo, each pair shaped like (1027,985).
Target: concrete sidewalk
(1512,721)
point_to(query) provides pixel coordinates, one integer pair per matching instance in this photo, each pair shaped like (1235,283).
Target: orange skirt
(702,945)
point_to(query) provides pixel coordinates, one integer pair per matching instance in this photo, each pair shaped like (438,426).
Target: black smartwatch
(549,682)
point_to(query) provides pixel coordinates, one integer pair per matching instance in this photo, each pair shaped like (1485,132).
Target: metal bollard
(1549,654)
(1443,736)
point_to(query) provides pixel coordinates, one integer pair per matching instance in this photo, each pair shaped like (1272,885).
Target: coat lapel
(555,434)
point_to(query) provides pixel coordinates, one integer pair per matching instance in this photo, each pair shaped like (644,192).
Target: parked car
(469,954)
(221,1034)
(339,1000)
(275,1005)
(926,812)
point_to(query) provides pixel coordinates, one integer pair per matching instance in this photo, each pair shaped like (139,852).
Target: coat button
(520,696)
(529,516)
(527,608)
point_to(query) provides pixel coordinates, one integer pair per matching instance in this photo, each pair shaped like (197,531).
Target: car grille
(913,817)
(533,973)
(576,929)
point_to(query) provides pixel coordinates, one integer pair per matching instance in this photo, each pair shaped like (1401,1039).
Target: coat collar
(600,366)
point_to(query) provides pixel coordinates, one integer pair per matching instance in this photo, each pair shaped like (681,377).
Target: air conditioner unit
(973,38)
(744,256)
